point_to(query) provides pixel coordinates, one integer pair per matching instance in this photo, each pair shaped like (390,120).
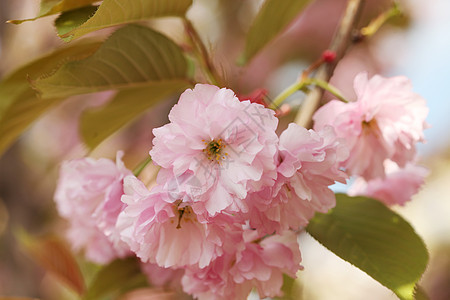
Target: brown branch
(341,42)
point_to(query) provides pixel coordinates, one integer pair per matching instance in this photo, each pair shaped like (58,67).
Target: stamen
(184,213)
(214,150)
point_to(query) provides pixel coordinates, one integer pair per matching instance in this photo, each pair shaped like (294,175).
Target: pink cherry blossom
(200,199)
(161,229)
(399,185)
(260,264)
(226,145)
(162,277)
(385,122)
(88,196)
(214,282)
(308,165)
(264,263)
(84,234)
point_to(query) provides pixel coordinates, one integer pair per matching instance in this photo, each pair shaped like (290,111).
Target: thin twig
(340,44)
(197,42)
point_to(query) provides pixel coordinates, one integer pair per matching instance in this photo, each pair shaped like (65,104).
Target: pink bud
(328,55)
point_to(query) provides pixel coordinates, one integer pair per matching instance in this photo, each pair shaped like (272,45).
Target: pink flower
(84,234)
(215,282)
(308,165)
(397,187)
(226,145)
(265,263)
(385,122)
(160,229)
(189,184)
(88,196)
(259,264)
(162,277)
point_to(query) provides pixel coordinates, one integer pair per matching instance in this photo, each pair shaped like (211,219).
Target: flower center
(371,128)
(214,150)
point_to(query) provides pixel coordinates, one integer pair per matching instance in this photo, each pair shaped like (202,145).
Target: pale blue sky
(427,64)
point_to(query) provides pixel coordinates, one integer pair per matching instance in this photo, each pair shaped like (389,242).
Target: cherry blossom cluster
(231,194)
(381,129)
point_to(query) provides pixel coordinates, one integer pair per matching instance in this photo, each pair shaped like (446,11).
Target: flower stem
(328,87)
(142,166)
(375,24)
(286,93)
(303,83)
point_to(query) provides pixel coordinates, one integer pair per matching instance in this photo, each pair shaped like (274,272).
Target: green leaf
(70,20)
(17,298)
(272,19)
(292,289)
(113,278)
(118,12)
(19,105)
(375,239)
(99,123)
(133,56)
(51,7)
(16,83)
(20,115)
(54,256)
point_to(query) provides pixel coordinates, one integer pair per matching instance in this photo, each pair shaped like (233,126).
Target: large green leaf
(99,123)
(70,20)
(17,298)
(16,83)
(273,18)
(117,12)
(20,115)
(113,278)
(51,7)
(19,104)
(54,256)
(378,241)
(132,57)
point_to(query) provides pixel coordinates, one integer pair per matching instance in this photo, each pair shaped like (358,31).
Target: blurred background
(415,45)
